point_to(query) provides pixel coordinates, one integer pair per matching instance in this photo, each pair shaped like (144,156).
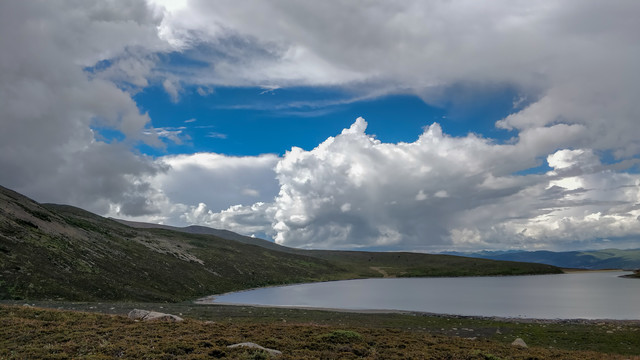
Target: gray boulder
(256,346)
(146,315)
(519,342)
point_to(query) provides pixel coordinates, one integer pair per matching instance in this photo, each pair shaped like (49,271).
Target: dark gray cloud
(48,103)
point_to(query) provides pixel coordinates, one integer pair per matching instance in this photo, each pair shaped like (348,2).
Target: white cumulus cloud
(355,191)
(193,186)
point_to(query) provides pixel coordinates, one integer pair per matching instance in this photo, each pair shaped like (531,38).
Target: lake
(582,295)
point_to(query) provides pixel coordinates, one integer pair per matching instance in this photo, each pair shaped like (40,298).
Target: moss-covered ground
(87,332)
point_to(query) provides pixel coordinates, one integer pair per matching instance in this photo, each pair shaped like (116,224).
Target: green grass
(300,334)
(402,264)
(341,337)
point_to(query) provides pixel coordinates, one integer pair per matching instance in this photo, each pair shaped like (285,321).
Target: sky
(425,126)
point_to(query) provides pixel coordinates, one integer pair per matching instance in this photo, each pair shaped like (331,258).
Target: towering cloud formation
(438,192)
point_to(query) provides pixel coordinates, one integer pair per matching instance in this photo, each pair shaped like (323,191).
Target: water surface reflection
(586,295)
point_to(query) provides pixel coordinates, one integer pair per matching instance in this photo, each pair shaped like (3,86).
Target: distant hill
(65,253)
(397,264)
(204,230)
(594,259)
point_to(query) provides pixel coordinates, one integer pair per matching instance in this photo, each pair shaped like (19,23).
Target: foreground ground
(32,332)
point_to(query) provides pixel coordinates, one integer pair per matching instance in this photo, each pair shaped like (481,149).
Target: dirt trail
(379,269)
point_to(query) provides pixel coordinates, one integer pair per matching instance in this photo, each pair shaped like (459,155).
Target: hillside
(399,264)
(594,259)
(635,275)
(203,230)
(375,264)
(62,252)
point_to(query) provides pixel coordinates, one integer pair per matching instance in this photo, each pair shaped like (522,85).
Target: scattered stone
(256,346)
(498,331)
(519,342)
(146,315)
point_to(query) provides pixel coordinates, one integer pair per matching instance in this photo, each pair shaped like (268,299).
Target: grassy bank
(34,332)
(635,275)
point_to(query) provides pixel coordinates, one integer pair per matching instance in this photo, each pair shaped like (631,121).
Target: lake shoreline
(564,271)
(574,271)
(211,298)
(518,320)
(483,303)
(122,308)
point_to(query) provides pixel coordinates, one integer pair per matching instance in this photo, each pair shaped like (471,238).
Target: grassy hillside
(403,264)
(203,230)
(62,252)
(385,264)
(635,275)
(57,251)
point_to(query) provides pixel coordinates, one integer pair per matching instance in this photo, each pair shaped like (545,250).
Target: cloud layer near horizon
(71,67)
(436,193)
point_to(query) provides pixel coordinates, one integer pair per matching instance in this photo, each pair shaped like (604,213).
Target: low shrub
(341,337)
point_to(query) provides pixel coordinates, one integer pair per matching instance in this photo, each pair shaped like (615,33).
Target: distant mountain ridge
(61,252)
(591,259)
(204,230)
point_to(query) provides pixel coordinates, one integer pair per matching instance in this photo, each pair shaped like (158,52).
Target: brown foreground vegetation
(32,333)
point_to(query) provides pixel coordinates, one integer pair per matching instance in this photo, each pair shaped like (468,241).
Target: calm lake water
(589,295)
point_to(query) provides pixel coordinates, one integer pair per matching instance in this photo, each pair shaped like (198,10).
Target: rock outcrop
(519,342)
(256,346)
(146,315)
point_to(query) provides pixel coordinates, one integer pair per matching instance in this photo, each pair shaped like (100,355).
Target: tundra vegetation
(32,332)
